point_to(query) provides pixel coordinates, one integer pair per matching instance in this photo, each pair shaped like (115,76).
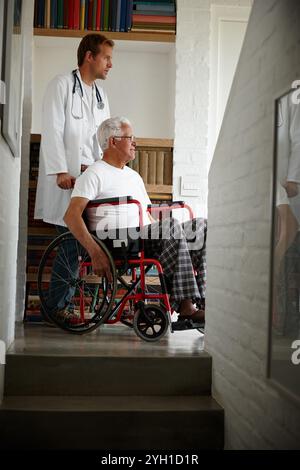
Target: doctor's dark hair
(109,128)
(91,42)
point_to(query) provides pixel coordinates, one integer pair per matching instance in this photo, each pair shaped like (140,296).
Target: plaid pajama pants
(181,249)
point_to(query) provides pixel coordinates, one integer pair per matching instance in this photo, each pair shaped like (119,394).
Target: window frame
(11,110)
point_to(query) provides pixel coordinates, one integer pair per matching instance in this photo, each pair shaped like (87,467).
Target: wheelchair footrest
(187,324)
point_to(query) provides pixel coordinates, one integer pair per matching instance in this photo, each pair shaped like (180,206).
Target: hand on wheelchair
(100,264)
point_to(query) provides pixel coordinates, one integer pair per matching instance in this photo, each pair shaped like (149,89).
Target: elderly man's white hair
(110,128)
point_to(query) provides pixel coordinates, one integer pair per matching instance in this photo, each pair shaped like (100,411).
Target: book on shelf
(76,14)
(154,13)
(98,15)
(60,14)
(118,15)
(153,2)
(166,7)
(68,20)
(153,19)
(53,14)
(151,29)
(82,14)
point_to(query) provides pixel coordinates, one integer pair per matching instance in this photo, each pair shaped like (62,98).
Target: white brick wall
(25,163)
(239,216)
(9,215)
(192,95)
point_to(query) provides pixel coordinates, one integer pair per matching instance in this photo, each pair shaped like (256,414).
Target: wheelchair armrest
(167,203)
(110,200)
(168,206)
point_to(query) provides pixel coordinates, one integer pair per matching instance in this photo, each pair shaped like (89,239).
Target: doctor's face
(102,62)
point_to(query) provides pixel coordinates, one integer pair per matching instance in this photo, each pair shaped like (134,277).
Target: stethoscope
(77,112)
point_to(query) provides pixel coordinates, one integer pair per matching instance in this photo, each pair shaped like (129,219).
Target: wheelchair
(130,298)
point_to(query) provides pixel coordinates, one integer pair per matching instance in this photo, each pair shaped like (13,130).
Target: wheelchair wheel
(72,297)
(150,322)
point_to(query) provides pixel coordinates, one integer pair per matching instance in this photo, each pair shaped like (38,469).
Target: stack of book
(154,16)
(96,15)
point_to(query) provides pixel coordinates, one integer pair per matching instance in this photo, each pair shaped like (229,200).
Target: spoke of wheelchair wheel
(92,295)
(59,260)
(81,252)
(62,260)
(56,288)
(62,249)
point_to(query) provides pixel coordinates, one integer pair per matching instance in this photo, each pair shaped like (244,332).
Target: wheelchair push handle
(109,200)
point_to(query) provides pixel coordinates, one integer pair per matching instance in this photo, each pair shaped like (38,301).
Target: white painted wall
(9,214)
(257,416)
(25,165)
(193,48)
(139,85)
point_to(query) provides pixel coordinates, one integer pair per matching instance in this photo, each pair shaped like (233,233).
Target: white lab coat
(288,152)
(61,144)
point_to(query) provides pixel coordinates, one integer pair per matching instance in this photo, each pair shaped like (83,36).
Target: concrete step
(128,422)
(102,375)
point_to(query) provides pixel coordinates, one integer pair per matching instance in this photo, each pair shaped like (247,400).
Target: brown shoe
(66,317)
(197,316)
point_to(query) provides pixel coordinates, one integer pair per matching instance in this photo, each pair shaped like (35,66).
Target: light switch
(190,186)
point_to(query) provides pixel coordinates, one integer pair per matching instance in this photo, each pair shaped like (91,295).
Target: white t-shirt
(102,180)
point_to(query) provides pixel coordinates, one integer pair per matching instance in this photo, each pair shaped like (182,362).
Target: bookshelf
(129,36)
(117,19)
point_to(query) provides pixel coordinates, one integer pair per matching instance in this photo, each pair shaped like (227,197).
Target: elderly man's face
(125,143)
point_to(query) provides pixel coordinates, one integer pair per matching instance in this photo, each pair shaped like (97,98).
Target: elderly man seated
(110,177)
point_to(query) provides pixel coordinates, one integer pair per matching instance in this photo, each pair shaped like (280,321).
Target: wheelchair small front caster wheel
(150,322)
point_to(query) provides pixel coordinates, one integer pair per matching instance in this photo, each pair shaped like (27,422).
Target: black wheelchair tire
(42,267)
(140,322)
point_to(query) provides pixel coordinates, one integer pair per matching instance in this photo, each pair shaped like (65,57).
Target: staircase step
(111,422)
(27,374)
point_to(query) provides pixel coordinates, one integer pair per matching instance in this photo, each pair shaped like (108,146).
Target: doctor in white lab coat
(73,108)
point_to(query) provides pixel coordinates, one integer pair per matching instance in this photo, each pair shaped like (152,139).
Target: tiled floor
(108,340)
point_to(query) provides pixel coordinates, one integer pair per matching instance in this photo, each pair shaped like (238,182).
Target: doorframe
(219,14)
